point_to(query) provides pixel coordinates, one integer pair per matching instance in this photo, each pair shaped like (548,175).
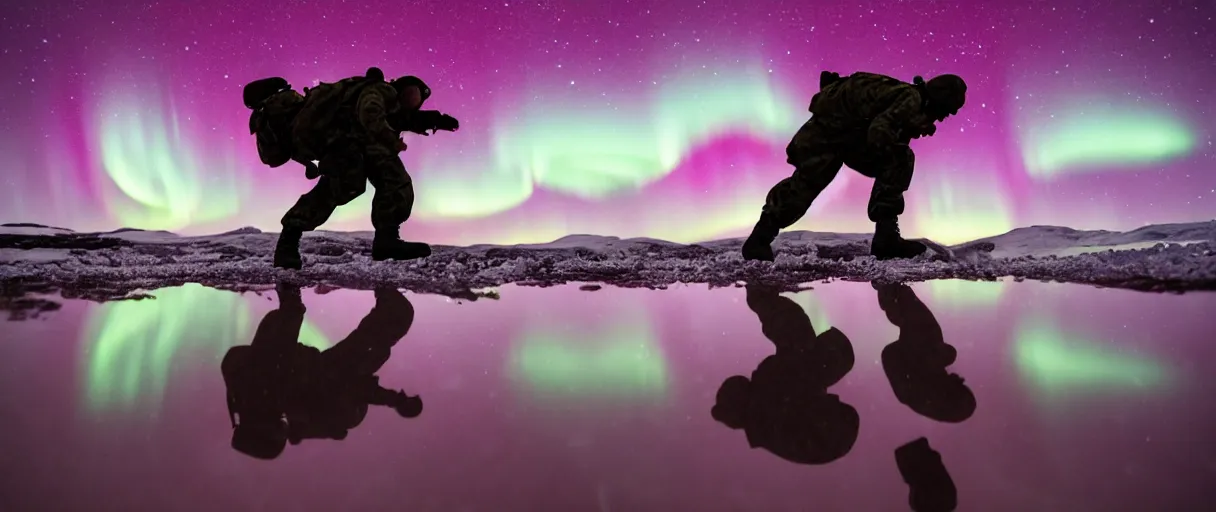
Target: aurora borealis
(643,118)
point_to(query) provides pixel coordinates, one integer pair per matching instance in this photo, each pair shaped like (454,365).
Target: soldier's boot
(888,244)
(759,244)
(388,246)
(287,250)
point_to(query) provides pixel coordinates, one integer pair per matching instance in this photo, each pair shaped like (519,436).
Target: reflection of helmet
(264,440)
(407,81)
(257,433)
(730,406)
(947,93)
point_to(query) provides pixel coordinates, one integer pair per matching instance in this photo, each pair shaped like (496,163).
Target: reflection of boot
(888,244)
(289,297)
(759,245)
(931,488)
(388,246)
(287,250)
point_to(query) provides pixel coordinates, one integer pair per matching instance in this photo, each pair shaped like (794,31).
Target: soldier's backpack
(830,91)
(274,105)
(826,79)
(331,105)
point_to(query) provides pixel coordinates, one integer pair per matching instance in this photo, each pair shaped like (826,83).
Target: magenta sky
(628,118)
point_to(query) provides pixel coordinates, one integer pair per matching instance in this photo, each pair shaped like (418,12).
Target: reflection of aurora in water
(133,345)
(813,309)
(617,362)
(964,294)
(1060,365)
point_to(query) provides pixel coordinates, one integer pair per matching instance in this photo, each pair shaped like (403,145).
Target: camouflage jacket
(351,110)
(889,111)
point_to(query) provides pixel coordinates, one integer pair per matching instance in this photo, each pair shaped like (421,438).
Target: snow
(119,264)
(31,230)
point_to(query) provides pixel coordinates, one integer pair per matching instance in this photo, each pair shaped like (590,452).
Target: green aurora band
(598,152)
(960,206)
(963,294)
(159,180)
(621,362)
(1101,136)
(159,177)
(1061,366)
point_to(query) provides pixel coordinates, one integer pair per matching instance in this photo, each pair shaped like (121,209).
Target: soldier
(785,406)
(916,363)
(865,121)
(352,128)
(281,391)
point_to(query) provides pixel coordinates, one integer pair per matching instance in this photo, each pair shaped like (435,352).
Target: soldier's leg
(394,197)
(367,348)
(887,204)
(391,206)
(788,201)
(342,182)
(280,329)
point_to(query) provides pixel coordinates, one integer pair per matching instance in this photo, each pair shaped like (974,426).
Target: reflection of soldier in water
(916,362)
(915,365)
(280,390)
(785,407)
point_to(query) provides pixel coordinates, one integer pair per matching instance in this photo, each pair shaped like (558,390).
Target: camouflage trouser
(345,176)
(818,153)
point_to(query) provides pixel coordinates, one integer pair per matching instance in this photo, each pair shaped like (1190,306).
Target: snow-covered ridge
(1173,257)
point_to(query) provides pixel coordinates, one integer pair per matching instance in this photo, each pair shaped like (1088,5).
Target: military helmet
(407,81)
(947,93)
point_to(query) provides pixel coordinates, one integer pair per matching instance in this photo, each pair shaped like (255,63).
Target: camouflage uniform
(354,147)
(841,133)
(271,124)
(865,121)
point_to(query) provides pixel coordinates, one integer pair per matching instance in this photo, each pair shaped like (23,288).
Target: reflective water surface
(991,396)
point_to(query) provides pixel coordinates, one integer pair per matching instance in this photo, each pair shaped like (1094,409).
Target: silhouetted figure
(785,407)
(865,121)
(281,391)
(352,128)
(916,363)
(931,488)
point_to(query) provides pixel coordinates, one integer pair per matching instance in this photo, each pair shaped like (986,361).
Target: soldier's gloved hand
(447,123)
(311,171)
(399,146)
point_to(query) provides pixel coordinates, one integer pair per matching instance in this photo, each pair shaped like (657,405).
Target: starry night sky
(628,118)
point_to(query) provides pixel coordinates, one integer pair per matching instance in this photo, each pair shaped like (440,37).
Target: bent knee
(347,190)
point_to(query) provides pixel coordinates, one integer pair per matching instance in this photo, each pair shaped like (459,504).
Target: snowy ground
(120,264)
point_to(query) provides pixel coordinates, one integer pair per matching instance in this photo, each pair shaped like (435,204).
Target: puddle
(1074,398)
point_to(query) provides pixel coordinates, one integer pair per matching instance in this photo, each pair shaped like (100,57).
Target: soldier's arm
(417,122)
(886,129)
(374,106)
